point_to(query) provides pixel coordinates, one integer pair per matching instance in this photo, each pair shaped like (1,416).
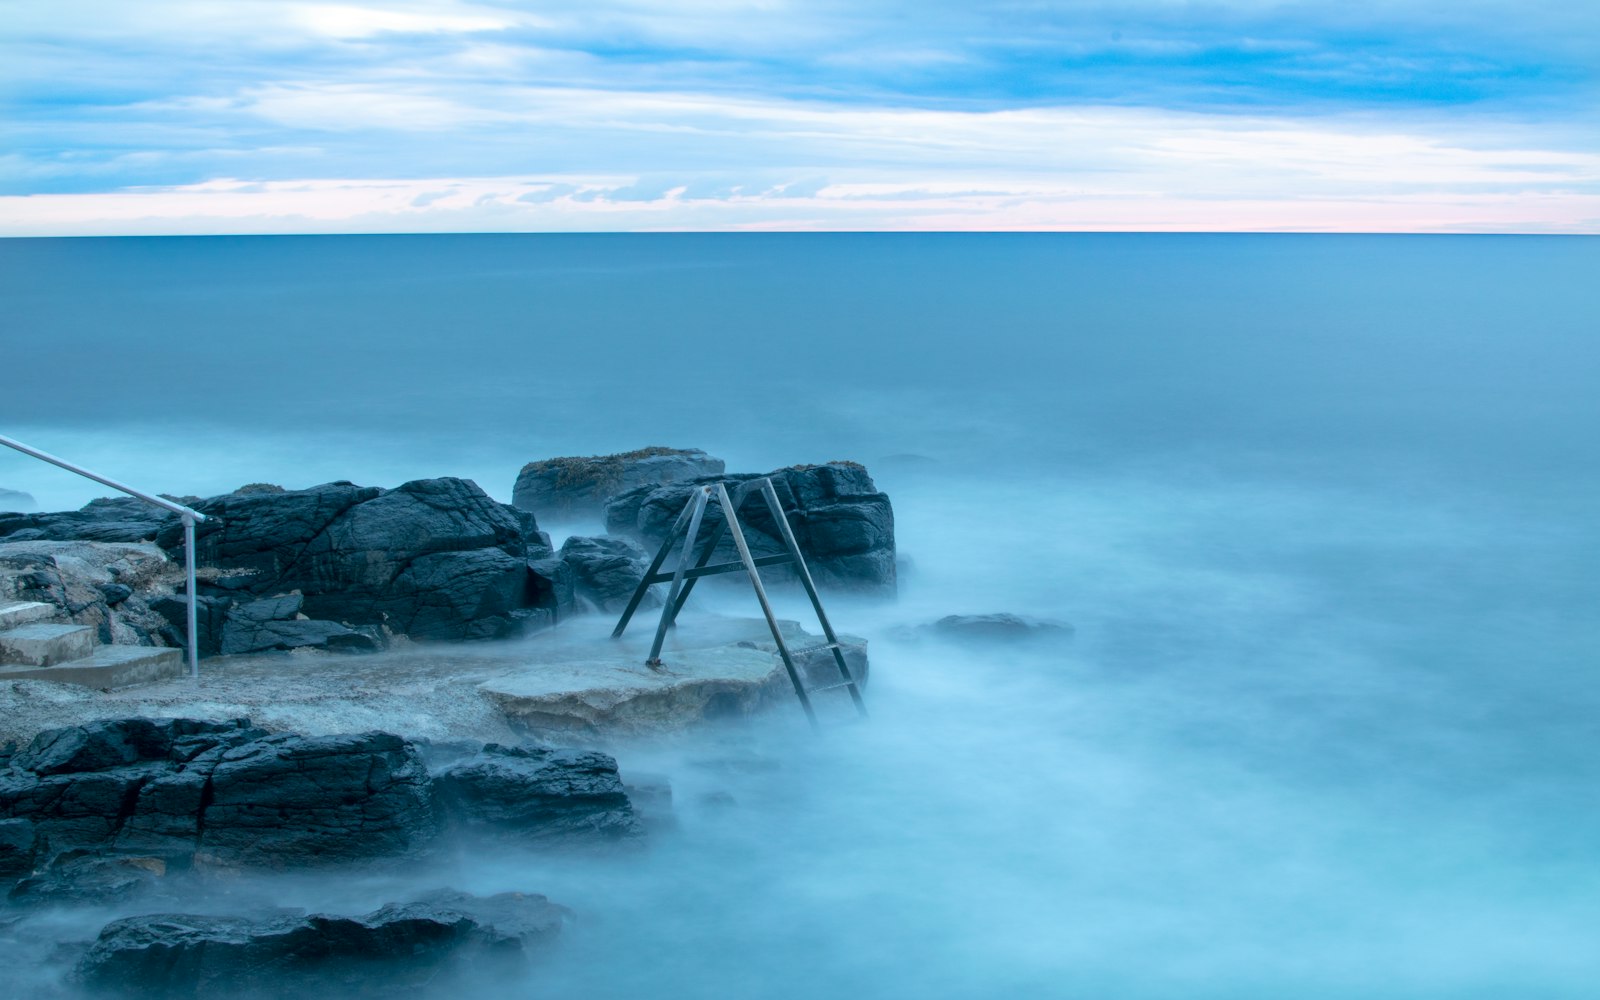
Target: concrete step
(108,668)
(45,644)
(14,613)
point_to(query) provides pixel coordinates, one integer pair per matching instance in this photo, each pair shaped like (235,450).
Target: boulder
(89,879)
(1000,627)
(430,942)
(606,570)
(19,842)
(287,800)
(843,524)
(540,794)
(276,624)
(432,558)
(113,587)
(572,487)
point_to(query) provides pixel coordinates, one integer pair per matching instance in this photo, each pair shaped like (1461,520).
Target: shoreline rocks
(578,487)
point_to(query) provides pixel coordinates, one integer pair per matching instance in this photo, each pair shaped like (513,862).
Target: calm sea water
(1322,509)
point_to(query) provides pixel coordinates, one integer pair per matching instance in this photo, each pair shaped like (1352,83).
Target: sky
(127,117)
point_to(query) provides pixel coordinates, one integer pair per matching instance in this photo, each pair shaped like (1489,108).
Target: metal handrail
(190,518)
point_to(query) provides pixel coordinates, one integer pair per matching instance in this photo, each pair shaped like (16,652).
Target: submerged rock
(441,938)
(539,794)
(579,487)
(1000,627)
(843,524)
(89,879)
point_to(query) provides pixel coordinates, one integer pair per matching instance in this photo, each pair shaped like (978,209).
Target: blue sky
(181,116)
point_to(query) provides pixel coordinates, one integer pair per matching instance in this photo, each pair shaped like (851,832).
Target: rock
(844,526)
(110,519)
(553,584)
(272,624)
(94,880)
(573,487)
(1000,627)
(19,843)
(539,794)
(288,800)
(432,558)
(225,790)
(211,615)
(15,501)
(432,942)
(109,586)
(606,570)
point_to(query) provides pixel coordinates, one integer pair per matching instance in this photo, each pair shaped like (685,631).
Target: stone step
(14,613)
(45,644)
(109,667)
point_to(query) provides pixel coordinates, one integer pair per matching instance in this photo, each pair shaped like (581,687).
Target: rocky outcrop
(228,794)
(565,488)
(844,525)
(395,951)
(113,519)
(539,794)
(432,558)
(606,570)
(15,501)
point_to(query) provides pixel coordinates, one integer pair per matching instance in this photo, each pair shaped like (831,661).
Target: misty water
(1322,510)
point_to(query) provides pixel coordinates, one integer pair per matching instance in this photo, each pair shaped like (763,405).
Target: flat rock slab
(712,668)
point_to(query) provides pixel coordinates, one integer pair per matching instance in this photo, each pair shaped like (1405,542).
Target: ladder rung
(813,649)
(695,573)
(831,687)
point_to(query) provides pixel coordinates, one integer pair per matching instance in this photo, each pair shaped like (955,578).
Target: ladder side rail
(669,609)
(793,545)
(655,567)
(739,496)
(766,605)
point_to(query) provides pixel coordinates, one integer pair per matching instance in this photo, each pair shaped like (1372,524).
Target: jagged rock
(1000,627)
(432,558)
(15,501)
(606,570)
(392,951)
(211,614)
(272,624)
(580,486)
(844,525)
(288,800)
(539,794)
(553,584)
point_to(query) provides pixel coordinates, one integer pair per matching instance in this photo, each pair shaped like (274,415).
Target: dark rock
(1001,627)
(539,794)
(249,488)
(843,524)
(211,615)
(607,570)
(114,519)
(433,558)
(432,942)
(90,879)
(19,843)
(289,800)
(553,584)
(580,486)
(115,593)
(271,624)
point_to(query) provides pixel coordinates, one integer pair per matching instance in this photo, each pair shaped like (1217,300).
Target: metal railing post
(194,596)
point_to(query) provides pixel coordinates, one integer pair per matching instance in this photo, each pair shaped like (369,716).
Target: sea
(1323,510)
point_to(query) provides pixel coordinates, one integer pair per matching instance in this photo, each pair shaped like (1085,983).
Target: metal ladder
(683,579)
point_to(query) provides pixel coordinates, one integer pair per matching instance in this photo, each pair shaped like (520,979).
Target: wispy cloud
(259,115)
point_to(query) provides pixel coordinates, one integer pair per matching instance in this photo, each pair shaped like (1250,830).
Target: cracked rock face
(573,487)
(539,794)
(843,524)
(436,940)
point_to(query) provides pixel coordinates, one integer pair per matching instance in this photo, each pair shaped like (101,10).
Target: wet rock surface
(433,941)
(192,792)
(114,587)
(999,627)
(572,487)
(842,522)
(606,571)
